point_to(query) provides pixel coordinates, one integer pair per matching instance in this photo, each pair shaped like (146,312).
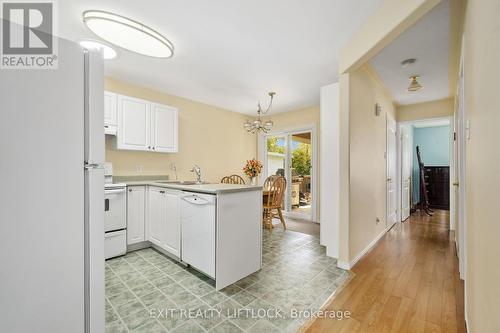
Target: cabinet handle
(153,148)
(149,147)
(130,190)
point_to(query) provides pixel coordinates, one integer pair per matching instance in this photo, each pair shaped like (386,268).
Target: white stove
(115,215)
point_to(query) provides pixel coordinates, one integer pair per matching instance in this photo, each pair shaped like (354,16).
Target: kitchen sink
(182,182)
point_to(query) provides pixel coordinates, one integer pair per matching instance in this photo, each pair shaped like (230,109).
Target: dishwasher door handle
(196,200)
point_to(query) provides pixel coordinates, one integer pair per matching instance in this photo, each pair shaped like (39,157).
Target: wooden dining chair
(233,179)
(275,187)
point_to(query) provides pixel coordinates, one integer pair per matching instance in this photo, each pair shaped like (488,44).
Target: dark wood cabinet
(437,181)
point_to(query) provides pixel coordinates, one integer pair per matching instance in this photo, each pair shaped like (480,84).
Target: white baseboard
(348,265)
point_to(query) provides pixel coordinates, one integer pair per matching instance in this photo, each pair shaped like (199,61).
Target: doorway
(435,139)
(292,154)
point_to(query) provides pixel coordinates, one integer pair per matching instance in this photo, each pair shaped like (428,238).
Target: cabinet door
(136,213)
(133,124)
(110,112)
(164,128)
(156,216)
(172,223)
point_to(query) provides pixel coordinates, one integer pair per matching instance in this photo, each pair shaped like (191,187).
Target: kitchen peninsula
(214,228)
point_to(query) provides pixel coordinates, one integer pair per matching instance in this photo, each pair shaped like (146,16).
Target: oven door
(115,209)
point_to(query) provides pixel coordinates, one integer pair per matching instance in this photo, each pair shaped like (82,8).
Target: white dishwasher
(198,231)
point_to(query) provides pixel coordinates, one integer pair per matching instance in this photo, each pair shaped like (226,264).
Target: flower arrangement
(253,168)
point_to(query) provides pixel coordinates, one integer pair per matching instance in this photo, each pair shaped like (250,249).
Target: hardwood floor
(408,283)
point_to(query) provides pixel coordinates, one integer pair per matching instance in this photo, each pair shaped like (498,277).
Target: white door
(110,112)
(391,172)
(455,196)
(156,215)
(136,206)
(133,124)
(164,128)
(406,170)
(172,222)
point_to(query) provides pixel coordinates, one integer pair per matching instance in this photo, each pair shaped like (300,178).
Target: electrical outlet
(138,168)
(377,220)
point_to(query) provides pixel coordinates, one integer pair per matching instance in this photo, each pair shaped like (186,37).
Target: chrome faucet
(197,170)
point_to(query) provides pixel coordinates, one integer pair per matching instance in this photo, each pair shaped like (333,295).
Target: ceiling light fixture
(258,125)
(408,62)
(128,34)
(107,51)
(414,84)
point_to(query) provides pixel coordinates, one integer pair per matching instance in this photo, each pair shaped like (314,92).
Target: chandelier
(257,125)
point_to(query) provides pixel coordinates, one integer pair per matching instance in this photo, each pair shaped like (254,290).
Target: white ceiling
(231,53)
(428,42)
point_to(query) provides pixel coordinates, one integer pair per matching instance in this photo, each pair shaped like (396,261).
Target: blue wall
(434,143)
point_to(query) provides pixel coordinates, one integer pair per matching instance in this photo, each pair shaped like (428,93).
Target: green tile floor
(148,292)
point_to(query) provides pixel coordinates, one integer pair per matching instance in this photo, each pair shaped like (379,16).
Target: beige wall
(296,118)
(482,107)
(433,109)
(209,136)
(386,24)
(367,162)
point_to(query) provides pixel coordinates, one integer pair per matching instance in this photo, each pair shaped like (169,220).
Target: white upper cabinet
(147,126)
(134,124)
(136,214)
(110,113)
(164,128)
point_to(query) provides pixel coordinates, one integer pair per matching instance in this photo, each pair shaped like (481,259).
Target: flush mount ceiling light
(128,34)
(258,125)
(408,62)
(414,84)
(107,51)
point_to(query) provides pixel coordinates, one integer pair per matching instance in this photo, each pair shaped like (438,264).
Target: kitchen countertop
(200,188)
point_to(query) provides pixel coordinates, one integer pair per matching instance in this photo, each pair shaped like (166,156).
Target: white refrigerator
(52,196)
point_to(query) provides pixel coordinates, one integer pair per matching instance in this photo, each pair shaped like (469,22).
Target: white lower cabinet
(136,214)
(155,229)
(163,222)
(172,241)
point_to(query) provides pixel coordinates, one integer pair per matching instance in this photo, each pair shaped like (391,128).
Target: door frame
(461,176)
(399,184)
(398,210)
(314,167)
(399,171)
